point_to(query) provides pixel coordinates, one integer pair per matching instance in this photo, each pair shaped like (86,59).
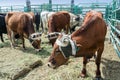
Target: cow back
(33,15)
(67,16)
(57,22)
(93,30)
(20,23)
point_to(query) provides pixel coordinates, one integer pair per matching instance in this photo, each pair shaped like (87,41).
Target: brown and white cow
(57,22)
(20,25)
(84,42)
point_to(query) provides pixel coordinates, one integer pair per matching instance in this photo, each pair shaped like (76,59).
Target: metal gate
(113,19)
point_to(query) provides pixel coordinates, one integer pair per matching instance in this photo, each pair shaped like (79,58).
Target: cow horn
(35,36)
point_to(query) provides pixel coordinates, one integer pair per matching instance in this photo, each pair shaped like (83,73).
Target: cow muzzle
(38,50)
(51,65)
(35,40)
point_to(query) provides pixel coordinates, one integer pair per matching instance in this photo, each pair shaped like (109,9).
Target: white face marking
(51,65)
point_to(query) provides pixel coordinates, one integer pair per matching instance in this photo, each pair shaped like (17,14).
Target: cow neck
(88,23)
(83,37)
(30,30)
(29,33)
(29,37)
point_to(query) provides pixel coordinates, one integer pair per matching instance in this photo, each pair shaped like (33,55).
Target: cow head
(52,37)
(57,57)
(35,40)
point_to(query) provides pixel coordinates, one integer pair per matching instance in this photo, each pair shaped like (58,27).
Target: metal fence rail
(81,8)
(113,19)
(115,40)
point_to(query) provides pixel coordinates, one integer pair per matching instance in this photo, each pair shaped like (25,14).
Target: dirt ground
(17,61)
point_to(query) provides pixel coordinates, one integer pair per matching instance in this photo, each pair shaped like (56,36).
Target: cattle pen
(20,64)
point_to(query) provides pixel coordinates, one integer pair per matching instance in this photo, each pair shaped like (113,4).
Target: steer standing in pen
(84,42)
(21,24)
(57,22)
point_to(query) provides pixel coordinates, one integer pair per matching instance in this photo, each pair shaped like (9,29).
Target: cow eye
(36,45)
(53,61)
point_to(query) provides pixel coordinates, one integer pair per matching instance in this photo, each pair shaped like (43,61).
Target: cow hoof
(24,49)
(1,46)
(38,50)
(82,75)
(98,78)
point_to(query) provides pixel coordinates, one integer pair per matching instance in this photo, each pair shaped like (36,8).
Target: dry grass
(13,60)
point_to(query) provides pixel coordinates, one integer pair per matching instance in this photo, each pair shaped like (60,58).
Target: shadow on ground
(111,69)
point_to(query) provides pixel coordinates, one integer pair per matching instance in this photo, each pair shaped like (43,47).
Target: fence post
(0,9)
(50,5)
(11,8)
(28,5)
(72,5)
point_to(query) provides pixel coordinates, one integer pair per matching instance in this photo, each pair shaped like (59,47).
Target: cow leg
(1,37)
(72,29)
(11,37)
(41,24)
(23,42)
(67,29)
(46,24)
(37,27)
(83,73)
(98,61)
(45,27)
